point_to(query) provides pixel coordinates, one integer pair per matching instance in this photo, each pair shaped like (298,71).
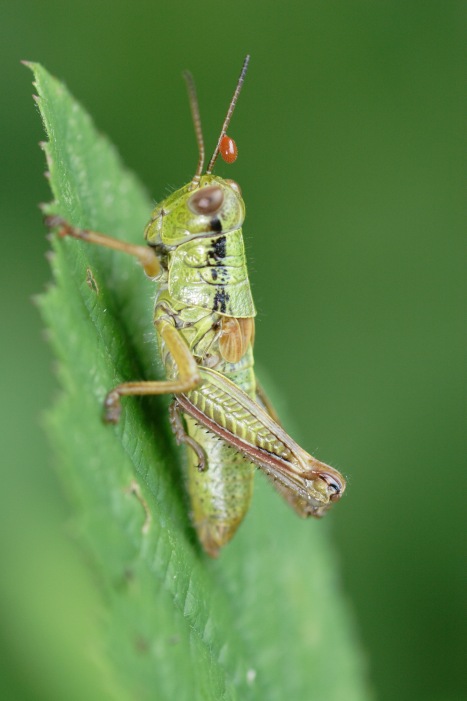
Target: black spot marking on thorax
(218,251)
(215,259)
(221,299)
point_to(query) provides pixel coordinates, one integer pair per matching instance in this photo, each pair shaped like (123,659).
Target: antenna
(233,102)
(190,84)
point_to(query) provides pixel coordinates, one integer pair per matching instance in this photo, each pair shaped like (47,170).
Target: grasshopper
(204,319)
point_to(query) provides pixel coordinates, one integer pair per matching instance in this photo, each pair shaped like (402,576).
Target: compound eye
(235,186)
(207,200)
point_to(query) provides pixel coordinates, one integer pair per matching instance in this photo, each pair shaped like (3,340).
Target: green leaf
(265,621)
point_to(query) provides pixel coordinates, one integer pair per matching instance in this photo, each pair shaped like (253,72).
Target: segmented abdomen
(221,494)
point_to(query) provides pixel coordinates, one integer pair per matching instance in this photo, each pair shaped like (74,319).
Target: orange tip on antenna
(228,149)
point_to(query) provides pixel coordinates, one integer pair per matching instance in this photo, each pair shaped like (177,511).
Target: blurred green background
(349,133)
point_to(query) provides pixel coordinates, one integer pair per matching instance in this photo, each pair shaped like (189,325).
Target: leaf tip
(32,65)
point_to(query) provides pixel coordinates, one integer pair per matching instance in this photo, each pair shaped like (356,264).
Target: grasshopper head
(208,205)
(215,206)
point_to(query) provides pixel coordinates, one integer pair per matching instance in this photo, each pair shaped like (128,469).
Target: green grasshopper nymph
(204,319)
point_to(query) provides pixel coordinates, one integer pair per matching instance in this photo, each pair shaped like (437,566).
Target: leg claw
(112,408)
(54,221)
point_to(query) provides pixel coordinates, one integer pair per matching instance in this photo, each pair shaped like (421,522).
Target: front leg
(188,375)
(145,254)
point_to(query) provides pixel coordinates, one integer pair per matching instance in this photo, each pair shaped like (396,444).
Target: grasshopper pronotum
(204,318)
